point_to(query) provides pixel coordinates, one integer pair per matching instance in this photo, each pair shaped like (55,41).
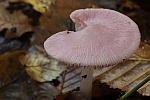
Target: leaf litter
(16,23)
(39,5)
(41,68)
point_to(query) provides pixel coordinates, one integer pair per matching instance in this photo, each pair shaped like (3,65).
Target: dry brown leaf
(40,67)
(10,67)
(128,74)
(38,5)
(16,23)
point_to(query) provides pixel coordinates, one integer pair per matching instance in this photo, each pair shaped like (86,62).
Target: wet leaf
(128,74)
(10,67)
(40,67)
(38,5)
(16,23)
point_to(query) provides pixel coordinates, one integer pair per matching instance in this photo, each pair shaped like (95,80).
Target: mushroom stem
(86,81)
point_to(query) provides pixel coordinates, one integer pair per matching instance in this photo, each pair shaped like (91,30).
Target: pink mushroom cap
(103,37)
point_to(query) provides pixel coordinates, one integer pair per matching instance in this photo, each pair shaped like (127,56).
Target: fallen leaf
(10,67)
(40,67)
(16,23)
(128,74)
(38,5)
(49,90)
(70,79)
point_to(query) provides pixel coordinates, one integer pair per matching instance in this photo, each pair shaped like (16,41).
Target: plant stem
(86,81)
(124,97)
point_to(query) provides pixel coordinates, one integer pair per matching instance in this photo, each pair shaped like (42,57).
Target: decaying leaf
(38,5)
(40,67)
(16,23)
(10,67)
(70,79)
(128,74)
(49,90)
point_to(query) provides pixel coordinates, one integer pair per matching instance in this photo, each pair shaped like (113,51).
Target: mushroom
(103,37)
